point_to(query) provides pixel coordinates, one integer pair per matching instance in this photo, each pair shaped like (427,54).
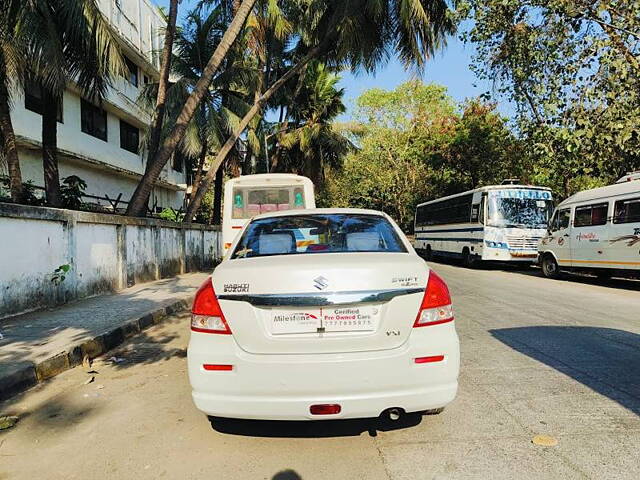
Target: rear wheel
(550,267)
(428,254)
(468,260)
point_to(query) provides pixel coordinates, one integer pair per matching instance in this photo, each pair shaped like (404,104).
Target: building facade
(101,143)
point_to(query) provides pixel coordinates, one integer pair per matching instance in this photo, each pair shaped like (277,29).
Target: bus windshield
(519,208)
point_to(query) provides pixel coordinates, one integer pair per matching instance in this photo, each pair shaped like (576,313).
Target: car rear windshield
(322,233)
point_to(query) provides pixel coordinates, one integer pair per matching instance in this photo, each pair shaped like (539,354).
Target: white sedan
(322,314)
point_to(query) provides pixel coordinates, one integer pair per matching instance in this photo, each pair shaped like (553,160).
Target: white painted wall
(105,253)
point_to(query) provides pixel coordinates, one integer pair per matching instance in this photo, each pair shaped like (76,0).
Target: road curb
(33,373)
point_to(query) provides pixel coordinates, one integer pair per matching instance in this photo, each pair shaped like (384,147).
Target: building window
(93,120)
(33,98)
(145,79)
(177,161)
(129,137)
(132,71)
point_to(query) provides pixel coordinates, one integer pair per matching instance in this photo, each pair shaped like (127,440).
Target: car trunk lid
(321,303)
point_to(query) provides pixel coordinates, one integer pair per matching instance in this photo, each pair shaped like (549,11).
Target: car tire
(550,267)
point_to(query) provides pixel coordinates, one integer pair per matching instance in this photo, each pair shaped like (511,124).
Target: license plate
(326,319)
(285,321)
(351,318)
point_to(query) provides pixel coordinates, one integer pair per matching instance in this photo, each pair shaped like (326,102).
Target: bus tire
(550,267)
(428,254)
(468,260)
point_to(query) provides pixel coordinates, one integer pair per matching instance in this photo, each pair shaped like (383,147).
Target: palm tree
(12,51)
(70,41)
(157,117)
(311,140)
(225,100)
(138,204)
(357,33)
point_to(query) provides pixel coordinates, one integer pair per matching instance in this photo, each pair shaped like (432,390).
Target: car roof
(320,211)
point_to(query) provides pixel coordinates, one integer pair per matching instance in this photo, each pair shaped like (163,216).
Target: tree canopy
(415,144)
(571,68)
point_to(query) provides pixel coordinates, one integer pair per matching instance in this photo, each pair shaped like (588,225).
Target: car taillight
(206,314)
(436,304)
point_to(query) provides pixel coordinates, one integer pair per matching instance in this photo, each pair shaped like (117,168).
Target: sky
(449,67)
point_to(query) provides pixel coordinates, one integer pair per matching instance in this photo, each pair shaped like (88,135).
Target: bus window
(591,215)
(249,202)
(627,211)
(560,220)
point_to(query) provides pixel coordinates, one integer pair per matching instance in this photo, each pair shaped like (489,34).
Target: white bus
(499,222)
(597,231)
(250,195)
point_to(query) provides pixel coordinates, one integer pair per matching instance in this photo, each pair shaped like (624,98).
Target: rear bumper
(283,387)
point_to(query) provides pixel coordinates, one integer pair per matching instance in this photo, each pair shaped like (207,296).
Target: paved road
(539,357)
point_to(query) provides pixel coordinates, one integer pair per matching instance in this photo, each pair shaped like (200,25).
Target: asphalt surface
(540,357)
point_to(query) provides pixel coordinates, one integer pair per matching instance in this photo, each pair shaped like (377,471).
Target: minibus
(597,231)
(498,222)
(250,195)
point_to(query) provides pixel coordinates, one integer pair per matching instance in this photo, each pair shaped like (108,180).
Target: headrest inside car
(359,241)
(274,243)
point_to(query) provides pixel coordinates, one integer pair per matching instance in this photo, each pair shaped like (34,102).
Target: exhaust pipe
(394,414)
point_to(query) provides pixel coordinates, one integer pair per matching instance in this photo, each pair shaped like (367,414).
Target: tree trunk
(9,147)
(165,67)
(138,204)
(257,106)
(217,198)
(50,149)
(201,160)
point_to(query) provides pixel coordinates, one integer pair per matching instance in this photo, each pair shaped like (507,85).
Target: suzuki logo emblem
(320,283)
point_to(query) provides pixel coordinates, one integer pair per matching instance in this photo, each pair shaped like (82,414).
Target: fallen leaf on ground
(89,380)
(8,421)
(545,440)
(99,387)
